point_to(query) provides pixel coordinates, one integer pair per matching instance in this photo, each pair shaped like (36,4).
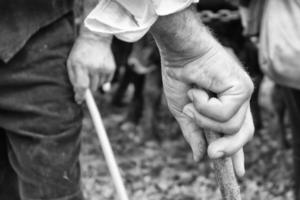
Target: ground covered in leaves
(165,170)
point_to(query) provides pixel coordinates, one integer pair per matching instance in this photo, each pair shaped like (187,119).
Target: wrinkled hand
(90,64)
(210,92)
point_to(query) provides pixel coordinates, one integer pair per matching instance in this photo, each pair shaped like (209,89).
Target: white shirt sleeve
(129,20)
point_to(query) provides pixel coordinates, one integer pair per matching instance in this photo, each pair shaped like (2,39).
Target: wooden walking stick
(223,166)
(224,172)
(106,147)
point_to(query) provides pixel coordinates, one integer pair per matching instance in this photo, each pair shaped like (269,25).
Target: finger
(106,78)
(72,78)
(175,94)
(221,108)
(102,77)
(110,77)
(102,80)
(228,145)
(238,161)
(94,82)
(80,83)
(231,126)
(77,83)
(71,72)
(194,136)
(79,95)
(233,86)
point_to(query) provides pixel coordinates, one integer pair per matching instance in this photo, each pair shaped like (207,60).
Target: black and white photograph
(149,99)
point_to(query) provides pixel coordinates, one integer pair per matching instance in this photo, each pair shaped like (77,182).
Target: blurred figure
(137,65)
(279,58)
(279,27)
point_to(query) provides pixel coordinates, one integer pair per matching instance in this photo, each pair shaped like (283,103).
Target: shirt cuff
(167,7)
(129,20)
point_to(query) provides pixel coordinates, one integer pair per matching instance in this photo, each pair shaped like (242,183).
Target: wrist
(85,33)
(182,37)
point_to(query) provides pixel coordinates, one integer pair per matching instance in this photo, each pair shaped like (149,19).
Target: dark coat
(20,19)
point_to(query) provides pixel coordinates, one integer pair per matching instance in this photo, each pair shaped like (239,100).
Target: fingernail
(241,173)
(189,113)
(219,154)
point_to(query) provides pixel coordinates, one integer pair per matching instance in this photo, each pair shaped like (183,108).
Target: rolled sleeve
(129,20)
(167,7)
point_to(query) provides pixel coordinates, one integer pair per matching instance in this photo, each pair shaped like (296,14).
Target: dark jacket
(20,19)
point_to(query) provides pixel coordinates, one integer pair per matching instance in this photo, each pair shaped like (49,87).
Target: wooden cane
(224,172)
(223,167)
(106,147)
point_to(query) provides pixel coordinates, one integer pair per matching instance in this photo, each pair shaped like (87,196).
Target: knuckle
(197,104)
(94,67)
(245,88)
(79,88)
(248,87)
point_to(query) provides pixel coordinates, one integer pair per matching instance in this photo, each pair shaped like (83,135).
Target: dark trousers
(292,98)
(40,122)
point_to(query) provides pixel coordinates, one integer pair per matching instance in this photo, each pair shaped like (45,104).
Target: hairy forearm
(182,35)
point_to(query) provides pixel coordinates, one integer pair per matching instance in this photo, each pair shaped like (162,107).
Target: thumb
(194,136)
